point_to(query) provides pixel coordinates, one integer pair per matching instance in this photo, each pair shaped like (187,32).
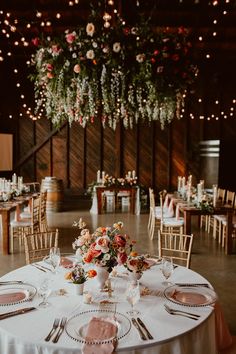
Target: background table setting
(172,332)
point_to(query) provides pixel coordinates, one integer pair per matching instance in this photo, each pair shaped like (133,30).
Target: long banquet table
(24,334)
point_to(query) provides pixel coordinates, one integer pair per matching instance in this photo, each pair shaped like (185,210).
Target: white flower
(140,58)
(116,47)
(90,54)
(106,257)
(90,29)
(94,44)
(105,49)
(102,244)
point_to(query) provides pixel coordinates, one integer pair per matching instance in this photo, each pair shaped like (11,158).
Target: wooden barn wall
(74,154)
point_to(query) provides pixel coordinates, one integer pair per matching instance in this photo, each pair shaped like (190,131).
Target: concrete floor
(208,257)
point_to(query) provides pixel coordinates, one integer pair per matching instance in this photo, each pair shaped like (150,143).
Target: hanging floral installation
(113,72)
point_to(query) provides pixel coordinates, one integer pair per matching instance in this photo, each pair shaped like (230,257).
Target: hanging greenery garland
(113,73)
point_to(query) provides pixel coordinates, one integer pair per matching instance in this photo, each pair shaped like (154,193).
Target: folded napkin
(66,263)
(12,297)
(100,328)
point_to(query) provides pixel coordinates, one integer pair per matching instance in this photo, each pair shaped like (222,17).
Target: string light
(11,30)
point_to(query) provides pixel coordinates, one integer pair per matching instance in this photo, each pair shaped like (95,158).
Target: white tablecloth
(24,334)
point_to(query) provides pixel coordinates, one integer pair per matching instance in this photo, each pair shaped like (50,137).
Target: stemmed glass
(44,290)
(167,269)
(133,296)
(55,258)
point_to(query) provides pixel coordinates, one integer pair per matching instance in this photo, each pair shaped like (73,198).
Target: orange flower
(133,254)
(91,273)
(68,276)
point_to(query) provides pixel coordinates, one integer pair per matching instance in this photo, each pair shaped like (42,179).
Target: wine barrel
(55,193)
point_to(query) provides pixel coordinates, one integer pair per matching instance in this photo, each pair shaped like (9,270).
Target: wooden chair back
(38,244)
(43,215)
(177,246)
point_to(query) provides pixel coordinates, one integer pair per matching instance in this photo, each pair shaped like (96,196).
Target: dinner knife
(38,267)
(11,282)
(193,284)
(136,325)
(17,312)
(145,328)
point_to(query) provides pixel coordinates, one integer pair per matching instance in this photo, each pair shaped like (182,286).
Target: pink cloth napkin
(223,337)
(12,297)
(100,329)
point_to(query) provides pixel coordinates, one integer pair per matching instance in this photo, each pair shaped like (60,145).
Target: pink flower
(120,240)
(77,68)
(70,37)
(121,258)
(36,41)
(50,75)
(56,49)
(50,67)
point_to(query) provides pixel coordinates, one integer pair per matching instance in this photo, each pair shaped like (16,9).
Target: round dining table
(172,334)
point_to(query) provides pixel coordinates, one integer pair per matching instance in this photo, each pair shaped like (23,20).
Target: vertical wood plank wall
(74,154)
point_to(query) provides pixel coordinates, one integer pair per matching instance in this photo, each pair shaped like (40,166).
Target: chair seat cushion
(23,223)
(25,215)
(173,222)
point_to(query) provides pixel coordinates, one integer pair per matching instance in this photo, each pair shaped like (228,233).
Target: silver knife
(145,328)
(11,282)
(135,323)
(34,265)
(17,312)
(193,284)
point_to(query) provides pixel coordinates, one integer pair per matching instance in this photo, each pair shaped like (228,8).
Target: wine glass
(133,296)
(44,291)
(55,258)
(167,269)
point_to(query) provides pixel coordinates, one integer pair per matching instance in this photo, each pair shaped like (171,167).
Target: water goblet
(44,291)
(133,296)
(55,258)
(167,269)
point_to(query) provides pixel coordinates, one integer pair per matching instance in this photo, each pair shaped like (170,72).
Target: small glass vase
(79,289)
(134,276)
(102,276)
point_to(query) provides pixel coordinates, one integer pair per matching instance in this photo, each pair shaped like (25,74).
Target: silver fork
(54,327)
(181,311)
(171,312)
(61,329)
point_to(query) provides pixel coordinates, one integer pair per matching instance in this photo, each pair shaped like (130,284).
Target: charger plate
(190,295)
(11,295)
(76,326)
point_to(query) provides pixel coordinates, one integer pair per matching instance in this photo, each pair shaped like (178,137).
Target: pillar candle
(179,183)
(133,174)
(103,176)
(98,176)
(214,187)
(199,192)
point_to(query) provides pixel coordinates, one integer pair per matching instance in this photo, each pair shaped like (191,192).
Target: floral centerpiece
(136,264)
(78,275)
(114,73)
(206,206)
(127,181)
(106,247)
